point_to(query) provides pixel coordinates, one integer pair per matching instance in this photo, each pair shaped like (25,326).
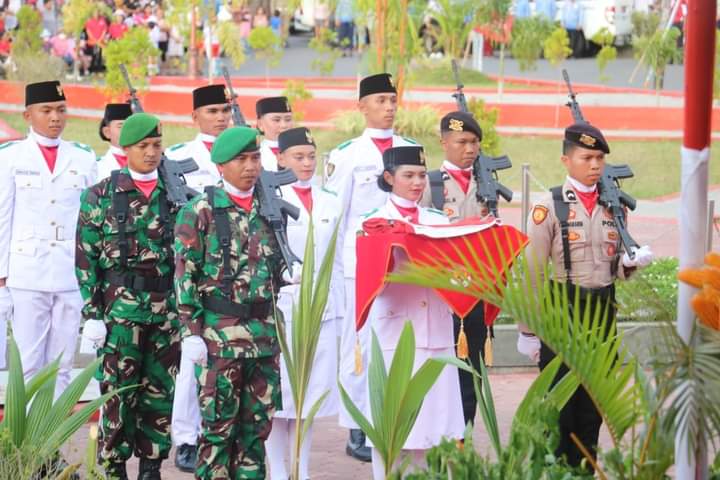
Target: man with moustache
(41,179)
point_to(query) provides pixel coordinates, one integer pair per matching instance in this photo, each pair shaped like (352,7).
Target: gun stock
(135,104)
(573,104)
(459,95)
(237,115)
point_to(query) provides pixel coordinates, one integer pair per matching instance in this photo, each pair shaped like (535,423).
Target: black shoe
(186,458)
(356,447)
(116,471)
(149,469)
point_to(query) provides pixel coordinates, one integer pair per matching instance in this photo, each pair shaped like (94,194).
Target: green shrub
(650,294)
(487,118)
(528,36)
(414,123)
(134,50)
(295,91)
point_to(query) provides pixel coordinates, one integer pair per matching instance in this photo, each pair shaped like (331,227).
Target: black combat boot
(149,469)
(116,471)
(356,447)
(186,458)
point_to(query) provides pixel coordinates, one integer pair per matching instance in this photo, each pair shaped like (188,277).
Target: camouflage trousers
(238,397)
(137,420)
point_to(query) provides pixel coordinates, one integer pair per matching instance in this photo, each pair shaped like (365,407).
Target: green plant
(644,24)
(29,62)
(417,122)
(395,396)
(607,52)
(35,426)
(456,19)
(295,92)
(327,54)
(493,14)
(651,293)
(656,51)
(556,47)
(26,38)
(299,354)
(266,45)
(134,50)
(487,118)
(229,37)
(528,36)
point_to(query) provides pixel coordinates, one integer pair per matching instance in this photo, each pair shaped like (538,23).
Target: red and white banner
(485,244)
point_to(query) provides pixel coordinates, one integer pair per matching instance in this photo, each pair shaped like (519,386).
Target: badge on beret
(287,106)
(586,139)
(308,136)
(456,125)
(421,154)
(228,97)
(572,236)
(539,214)
(390,81)
(60,90)
(330,169)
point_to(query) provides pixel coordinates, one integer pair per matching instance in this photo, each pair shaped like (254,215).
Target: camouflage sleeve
(189,259)
(88,245)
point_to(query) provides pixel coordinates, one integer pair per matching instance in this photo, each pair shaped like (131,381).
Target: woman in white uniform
(441,415)
(297,152)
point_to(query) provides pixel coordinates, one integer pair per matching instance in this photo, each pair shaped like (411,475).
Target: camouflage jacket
(98,251)
(256,265)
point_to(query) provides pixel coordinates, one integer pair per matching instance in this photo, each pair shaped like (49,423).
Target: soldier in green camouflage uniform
(226,311)
(125,274)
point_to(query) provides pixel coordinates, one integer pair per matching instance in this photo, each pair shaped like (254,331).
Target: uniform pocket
(28,182)
(578,244)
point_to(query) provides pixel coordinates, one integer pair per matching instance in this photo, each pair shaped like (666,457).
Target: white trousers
(417,462)
(186,408)
(45,325)
(280,446)
(354,384)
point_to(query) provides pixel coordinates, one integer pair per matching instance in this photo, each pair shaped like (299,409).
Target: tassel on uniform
(488,349)
(462,345)
(358,357)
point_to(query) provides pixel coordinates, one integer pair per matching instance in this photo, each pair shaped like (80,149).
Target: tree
(494,16)
(134,50)
(557,48)
(456,19)
(655,51)
(29,62)
(231,44)
(323,43)
(296,91)
(266,46)
(607,52)
(528,36)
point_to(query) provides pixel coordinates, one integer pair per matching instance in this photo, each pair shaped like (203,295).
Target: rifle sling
(121,205)
(224,235)
(562,212)
(437,188)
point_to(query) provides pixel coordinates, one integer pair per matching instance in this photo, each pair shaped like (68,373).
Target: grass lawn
(656,163)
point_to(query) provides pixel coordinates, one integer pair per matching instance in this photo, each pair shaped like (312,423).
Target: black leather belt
(140,283)
(238,310)
(603,293)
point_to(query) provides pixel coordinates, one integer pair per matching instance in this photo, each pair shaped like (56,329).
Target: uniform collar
(303,184)
(580,187)
(269,143)
(125,181)
(448,165)
(402,202)
(43,140)
(143,177)
(117,151)
(232,190)
(204,137)
(378,132)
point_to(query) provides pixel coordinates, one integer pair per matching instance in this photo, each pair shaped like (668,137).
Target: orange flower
(705,303)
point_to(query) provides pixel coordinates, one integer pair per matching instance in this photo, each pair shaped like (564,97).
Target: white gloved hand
(529,345)
(643,257)
(5,302)
(95,332)
(296,276)
(194,349)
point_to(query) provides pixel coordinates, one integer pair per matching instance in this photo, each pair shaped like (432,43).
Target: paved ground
(328,459)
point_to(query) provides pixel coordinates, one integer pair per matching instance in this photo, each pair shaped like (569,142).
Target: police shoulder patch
(331,192)
(176,146)
(344,144)
(539,214)
(366,215)
(410,140)
(82,146)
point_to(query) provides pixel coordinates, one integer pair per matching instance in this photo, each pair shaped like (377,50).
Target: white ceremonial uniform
(441,414)
(38,219)
(207,173)
(267,156)
(107,163)
(186,419)
(326,213)
(353,169)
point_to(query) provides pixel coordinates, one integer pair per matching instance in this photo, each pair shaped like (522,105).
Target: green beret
(139,126)
(232,142)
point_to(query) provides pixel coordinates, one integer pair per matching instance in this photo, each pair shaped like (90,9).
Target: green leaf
(15,399)
(41,405)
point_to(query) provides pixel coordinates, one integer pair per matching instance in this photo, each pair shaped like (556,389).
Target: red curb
(94,418)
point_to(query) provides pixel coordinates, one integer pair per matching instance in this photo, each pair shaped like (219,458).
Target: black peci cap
(272,105)
(294,137)
(43,92)
(380,83)
(210,95)
(114,111)
(407,155)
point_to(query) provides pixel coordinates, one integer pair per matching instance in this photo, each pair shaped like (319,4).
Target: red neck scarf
(383,143)
(275,150)
(50,155)
(146,186)
(121,160)
(588,199)
(305,196)
(243,202)
(208,145)
(409,212)
(462,177)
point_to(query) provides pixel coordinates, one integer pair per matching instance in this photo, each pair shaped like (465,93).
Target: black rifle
(237,115)
(611,197)
(273,208)
(485,168)
(172,172)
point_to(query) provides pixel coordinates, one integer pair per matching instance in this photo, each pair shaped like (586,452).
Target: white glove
(643,257)
(296,276)
(5,302)
(95,332)
(194,349)
(529,345)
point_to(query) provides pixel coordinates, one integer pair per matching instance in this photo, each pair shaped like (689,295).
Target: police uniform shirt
(593,238)
(458,204)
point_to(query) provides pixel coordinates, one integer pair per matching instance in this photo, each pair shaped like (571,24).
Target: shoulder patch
(7,144)
(82,146)
(331,192)
(366,215)
(176,146)
(410,140)
(344,144)
(539,214)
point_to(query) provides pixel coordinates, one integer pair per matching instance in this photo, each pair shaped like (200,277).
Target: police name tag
(27,172)
(365,168)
